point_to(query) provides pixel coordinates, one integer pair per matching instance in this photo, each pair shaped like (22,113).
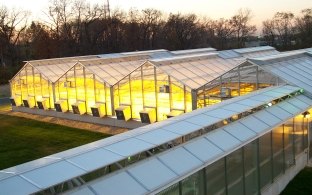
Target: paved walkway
(70,123)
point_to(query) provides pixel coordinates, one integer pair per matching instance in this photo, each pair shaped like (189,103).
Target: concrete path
(70,123)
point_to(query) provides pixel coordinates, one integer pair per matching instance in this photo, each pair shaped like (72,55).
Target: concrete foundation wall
(281,182)
(83,118)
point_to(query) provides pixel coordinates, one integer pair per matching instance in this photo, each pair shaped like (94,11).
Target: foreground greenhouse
(148,86)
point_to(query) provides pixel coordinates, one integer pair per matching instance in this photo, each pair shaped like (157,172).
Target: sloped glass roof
(197,70)
(292,67)
(159,171)
(81,160)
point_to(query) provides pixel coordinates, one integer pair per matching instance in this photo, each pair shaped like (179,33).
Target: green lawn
(301,184)
(23,140)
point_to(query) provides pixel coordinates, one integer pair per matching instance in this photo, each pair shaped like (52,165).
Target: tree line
(75,27)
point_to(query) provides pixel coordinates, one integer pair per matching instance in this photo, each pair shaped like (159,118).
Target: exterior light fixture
(269,104)
(306,114)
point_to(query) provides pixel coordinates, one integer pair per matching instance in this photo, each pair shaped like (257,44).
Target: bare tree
(12,24)
(304,28)
(241,26)
(284,26)
(150,20)
(268,32)
(223,31)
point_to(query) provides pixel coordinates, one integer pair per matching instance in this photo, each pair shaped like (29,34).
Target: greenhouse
(254,143)
(147,85)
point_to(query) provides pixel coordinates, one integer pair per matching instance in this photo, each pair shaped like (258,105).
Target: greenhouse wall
(29,84)
(253,168)
(238,81)
(150,88)
(79,85)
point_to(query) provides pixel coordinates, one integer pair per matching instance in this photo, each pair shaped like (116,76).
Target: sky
(214,9)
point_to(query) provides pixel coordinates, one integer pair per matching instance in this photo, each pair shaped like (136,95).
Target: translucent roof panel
(239,131)
(180,160)
(193,51)
(111,71)
(253,49)
(45,177)
(203,149)
(95,159)
(195,71)
(17,185)
(203,120)
(268,118)
(151,173)
(81,191)
(255,124)
(228,141)
(158,136)
(289,107)
(118,184)
(279,112)
(182,127)
(129,147)
(227,54)
(295,68)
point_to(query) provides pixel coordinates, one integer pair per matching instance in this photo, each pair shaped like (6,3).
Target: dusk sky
(261,9)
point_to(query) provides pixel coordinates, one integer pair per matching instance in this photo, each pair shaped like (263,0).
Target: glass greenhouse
(151,86)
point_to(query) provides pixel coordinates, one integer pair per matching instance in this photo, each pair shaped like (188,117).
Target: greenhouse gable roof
(293,67)
(195,70)
(112,70)
(248,52)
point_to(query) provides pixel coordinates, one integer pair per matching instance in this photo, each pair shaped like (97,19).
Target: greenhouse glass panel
(194,184)
(277,147)
(250,166)
(215,177)
(288,143)
(234,172)
(172,190)
(265,160)
(298,134)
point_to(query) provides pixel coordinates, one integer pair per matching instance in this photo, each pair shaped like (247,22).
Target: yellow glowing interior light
(235,117)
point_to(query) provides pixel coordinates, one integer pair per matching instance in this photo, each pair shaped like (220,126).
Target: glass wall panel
(250,165)
(80,84)
(288,143)
(277,147)
(265,159)
(136,93)
(298,133)
(149,86)
(163,96)
(172,190)
(108,101)
(234,172)
(177,95)
(90,91)
(194,184)
(215,177)
(124,91)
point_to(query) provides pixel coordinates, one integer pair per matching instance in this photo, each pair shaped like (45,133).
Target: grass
(23,140)
(301,184)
